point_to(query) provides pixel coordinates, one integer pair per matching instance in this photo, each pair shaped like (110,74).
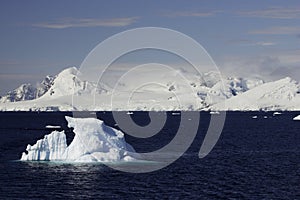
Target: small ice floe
(53,127)
(296,118)
(129,113)
(214,112)
(176,113)
(265,117)
(276,113)
(254,117)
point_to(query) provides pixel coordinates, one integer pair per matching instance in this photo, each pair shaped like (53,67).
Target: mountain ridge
(58,93)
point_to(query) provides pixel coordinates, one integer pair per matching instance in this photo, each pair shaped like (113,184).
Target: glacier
(93,142)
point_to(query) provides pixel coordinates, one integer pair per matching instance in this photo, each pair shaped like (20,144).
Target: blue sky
(245,38)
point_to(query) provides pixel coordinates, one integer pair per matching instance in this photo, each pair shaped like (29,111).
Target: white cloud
(271,66)
(191,13)
(290,57)
(87,22)
(278,30)
(274,13)
(247,42)
(264,44)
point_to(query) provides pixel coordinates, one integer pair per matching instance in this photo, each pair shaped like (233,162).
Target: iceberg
(214,112)
(277,113)
(93,142)
(52,127)
(297,117)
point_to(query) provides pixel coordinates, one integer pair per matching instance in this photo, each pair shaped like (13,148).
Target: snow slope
(283,94)
(93,142)
(165,91)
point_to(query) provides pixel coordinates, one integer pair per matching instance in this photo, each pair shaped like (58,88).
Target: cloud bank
(87,22)
(273,13)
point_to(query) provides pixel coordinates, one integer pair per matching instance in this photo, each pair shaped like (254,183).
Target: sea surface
(253,159)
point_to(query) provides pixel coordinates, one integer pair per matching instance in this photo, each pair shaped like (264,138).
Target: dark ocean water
(254,159)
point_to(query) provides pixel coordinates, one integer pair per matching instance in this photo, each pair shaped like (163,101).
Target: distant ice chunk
(214,112)
(93,142)
(297,118)
(276,113)
(52,127)
(254,117)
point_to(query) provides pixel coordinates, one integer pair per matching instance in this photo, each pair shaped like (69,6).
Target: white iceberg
(93,142)
(297,117)
(52,126)
(277,113)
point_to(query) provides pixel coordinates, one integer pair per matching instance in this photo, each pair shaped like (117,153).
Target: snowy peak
(22,93)
(52,86)
(278,95)
(65,83)
(68,82)
(28,91)
(45,85)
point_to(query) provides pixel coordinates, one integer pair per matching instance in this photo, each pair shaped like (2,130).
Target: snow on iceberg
(93,142)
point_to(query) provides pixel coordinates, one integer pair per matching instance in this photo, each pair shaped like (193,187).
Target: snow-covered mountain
(28,91)
(283,94)
(65,83)
(67,92)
